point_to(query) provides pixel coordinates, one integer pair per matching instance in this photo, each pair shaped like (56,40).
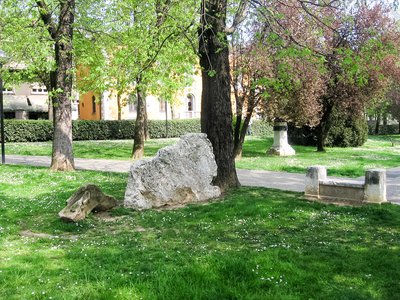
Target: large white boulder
(178,174)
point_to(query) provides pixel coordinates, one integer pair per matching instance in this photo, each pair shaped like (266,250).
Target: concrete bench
(371,190)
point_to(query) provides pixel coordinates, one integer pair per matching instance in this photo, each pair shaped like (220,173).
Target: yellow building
(187,105)
(89,107)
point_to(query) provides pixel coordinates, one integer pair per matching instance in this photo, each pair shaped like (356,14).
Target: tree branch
(45,15)
(239,16)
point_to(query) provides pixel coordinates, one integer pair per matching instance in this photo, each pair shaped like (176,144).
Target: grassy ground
(351,162)
(109,149)
(252,244)
(377,152)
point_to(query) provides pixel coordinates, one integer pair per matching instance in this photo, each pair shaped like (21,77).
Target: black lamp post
(3,153)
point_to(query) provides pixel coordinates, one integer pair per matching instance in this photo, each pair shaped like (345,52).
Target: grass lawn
(253,243)
(377,152)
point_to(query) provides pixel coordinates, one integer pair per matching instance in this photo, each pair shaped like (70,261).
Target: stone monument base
(282,151)
(281,146)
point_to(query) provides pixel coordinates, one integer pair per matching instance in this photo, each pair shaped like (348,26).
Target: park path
(278,180)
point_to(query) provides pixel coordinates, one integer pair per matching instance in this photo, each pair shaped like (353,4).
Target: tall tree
(147,37)
(333,60)
(216,107)
(39,35)
(60,29)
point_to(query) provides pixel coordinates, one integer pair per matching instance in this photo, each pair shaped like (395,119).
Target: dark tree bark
(384,119)
(62,35)
(140,134)
(324,126)
(377,123)
(52,88)
(216,110)
(119,106)
(236,136)
(241,135)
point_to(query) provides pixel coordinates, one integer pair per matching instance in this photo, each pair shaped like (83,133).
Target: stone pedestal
(314,175)
(281,146)
(22,115)
(375,186)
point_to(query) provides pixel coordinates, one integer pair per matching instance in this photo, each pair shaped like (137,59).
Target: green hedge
(42,130)
(102,130)
(176,128)
(384,129)
(262,128)
(28,130)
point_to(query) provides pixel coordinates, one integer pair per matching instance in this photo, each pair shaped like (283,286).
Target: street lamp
(3,153)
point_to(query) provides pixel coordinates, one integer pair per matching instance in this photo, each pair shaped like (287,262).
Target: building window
(8,91)
(162,105)
(93,104)
(190,102)
(38,89)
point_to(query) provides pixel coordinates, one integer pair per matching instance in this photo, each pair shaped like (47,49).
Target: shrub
(344,132)
(258,127)
(384,129)
(262,128)
(347,132)
(28,131)
(176,128)
(304,136)
(42,130)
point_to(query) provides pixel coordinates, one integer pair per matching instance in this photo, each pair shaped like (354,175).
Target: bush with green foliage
(42,130)
(258,127)
(345,131)
(384,129)
(28,130)
(176,128)
(103,130)
(262,128)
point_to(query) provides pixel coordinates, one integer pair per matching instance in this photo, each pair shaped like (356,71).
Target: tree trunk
(52,88)
(62,157)
(320,138)
(239,144)
(377,123)
(216,110)
(119,105)
(139,136)
(237,149)
(324,127)
(242,131)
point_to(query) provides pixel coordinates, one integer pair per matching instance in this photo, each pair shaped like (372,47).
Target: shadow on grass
(255,243)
